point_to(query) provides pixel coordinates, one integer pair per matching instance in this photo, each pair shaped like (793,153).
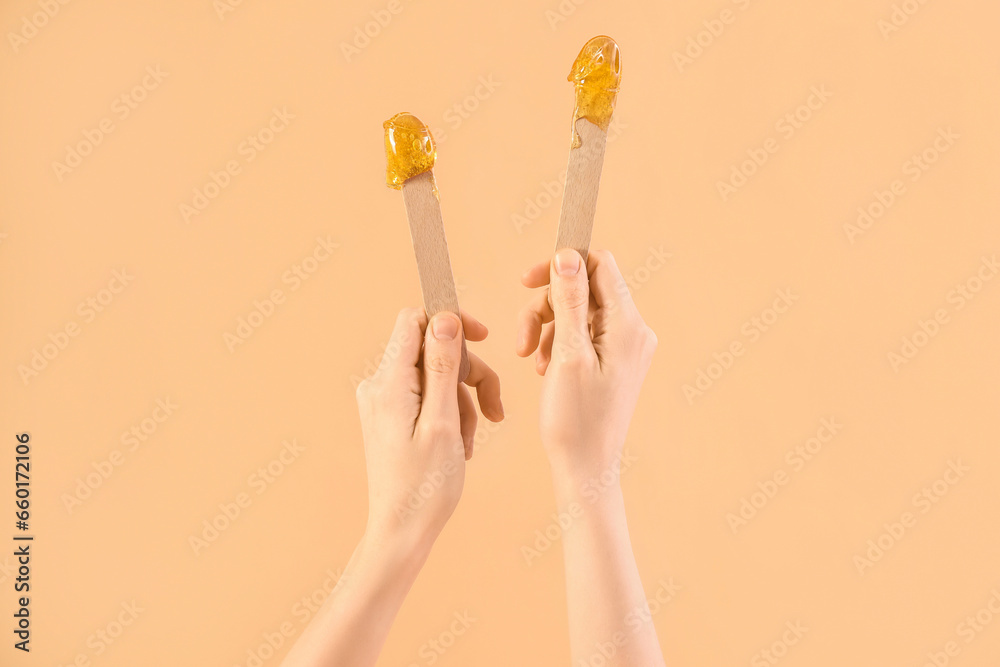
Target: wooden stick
(423,210)
(583,179)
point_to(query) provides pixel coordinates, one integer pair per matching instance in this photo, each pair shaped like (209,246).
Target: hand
(419,423)
(593,350)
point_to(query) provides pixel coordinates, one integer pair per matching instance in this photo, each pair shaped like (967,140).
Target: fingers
(487,385)
(570,292)
(609,287)
(600,293)
(618,326)
(403,349)
(544,355)
(469,419)
(474,329)
(442,356)
(530,321)
(536,276)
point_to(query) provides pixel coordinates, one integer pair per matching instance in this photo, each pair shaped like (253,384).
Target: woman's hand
(419,423)
(593,350)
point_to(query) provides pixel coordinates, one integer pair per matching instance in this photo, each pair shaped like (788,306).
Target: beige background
(681,131)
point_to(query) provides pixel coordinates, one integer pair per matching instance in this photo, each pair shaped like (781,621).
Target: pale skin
(593,351)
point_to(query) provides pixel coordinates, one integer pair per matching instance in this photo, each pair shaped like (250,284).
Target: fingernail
(445,326)
(567,262)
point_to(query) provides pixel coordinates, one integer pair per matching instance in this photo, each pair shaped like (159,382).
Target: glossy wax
(596,77)
(409,149)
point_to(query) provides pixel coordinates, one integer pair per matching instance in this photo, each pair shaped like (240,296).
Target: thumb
(570,295)
(442,358)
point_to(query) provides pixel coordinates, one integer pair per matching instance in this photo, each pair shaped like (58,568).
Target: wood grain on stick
(437,283)
(583,180)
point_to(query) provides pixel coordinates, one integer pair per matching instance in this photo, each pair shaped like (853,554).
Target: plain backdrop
(196,191)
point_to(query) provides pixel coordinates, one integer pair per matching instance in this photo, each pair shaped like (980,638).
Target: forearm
(608,612)
(354,621)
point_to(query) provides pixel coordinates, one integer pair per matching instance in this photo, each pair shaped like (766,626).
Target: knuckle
(570,359)
(437,431)
(574,295)
(408,316)
(603,255)
(530,317)
(371,392)
(570,356)
(439,364)
(641,341)
(634,322)
(607,258)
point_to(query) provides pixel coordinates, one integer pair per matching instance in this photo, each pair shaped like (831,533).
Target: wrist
(587,485)
(587,469)
(403,551)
